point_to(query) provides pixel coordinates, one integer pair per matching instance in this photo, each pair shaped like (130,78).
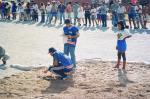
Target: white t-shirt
(139,9)
(121,9)
(48,8)
(93,12)
(123,34)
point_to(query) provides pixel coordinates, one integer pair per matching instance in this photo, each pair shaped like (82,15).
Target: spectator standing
(61,9)
(93,16)
(114,8)
(87,14)
(54,11)
(80,15)
(48,12)
(69,11)
(75,12)
(42,9)
(104,11)
(14,10)
(121,13)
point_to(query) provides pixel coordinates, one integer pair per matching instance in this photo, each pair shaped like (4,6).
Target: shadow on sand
(123,79)
(57,86)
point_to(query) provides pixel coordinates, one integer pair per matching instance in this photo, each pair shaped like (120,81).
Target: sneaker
(4,62)
(65,78)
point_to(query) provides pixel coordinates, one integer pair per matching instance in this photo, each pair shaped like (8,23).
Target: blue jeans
(48,17)
(70,50)
(62,17)
(114,19)
(104,20)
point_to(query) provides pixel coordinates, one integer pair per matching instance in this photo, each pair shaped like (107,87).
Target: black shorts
(122,54)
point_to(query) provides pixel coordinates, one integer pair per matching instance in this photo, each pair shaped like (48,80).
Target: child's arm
(128,37)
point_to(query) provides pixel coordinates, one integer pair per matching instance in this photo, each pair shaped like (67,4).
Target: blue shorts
(54,14)
(99,16)
(131,16)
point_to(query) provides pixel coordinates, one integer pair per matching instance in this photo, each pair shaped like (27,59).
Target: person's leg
(124,60)
(86,19)
(66,49)
(138,21)
(60,16)
(141,21)
(63,16)
(43,17)
(55,18)
(105,20)
(119,59)
(58,70)
(89,18)
(133,20)
(129,16)
(116,19)
(92,21)
(51,17)
(72,54)
(113,18)
(123,18)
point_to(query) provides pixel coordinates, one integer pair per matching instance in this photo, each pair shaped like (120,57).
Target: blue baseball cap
(51,50)
(67,21)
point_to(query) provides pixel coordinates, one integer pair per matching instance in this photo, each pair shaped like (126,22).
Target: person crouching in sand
(3,56)
(121,44)
(62,64)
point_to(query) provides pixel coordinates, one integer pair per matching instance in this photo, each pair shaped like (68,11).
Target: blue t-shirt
(61,8)
(14,8)
(121,45)
(62,59)
(72,31)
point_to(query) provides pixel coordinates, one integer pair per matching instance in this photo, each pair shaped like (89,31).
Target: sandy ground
(93,79)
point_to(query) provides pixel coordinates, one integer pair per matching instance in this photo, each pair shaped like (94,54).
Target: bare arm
(128,36)
(74,36)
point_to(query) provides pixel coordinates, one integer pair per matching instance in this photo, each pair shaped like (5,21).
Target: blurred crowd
(133,15)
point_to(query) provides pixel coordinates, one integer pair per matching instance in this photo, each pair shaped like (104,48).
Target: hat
(48,2)
(51,50)
(67,21)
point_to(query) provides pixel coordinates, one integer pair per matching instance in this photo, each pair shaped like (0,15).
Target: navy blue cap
(51,50)
(67,21)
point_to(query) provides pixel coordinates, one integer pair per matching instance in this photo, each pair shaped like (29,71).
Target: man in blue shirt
(62,64)
(61,9)
(72,33)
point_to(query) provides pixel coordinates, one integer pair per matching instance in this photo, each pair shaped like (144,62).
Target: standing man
(61,9)
(72,33)
(87,14)
(104,11)
(121,13)
(75,12)
(114,8)
(48,12)
(54,11)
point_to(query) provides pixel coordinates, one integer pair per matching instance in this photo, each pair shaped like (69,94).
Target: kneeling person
(62,64)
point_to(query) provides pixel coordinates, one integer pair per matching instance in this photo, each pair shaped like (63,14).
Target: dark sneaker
(4,62)
(67,77)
